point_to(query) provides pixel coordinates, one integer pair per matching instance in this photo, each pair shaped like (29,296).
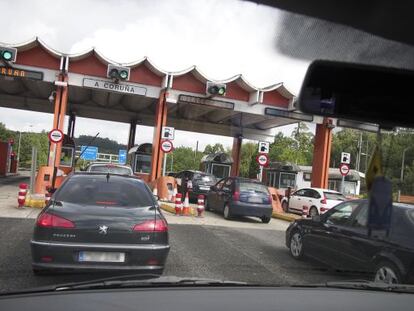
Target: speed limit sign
(262,159)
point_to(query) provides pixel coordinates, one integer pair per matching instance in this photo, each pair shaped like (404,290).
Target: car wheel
(285,206)
(387,273)
(226,212)
(296,245)
(313,211)
(265,219)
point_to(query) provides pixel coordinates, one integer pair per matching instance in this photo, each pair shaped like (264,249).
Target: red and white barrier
(21,198)
(178,204)
(200,205)
(305,211)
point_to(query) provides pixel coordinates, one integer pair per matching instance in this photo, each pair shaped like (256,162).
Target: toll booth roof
(244,110)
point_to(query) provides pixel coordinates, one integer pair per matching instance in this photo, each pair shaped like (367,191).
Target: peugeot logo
(103,229)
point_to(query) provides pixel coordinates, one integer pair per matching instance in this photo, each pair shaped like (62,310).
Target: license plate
(101,257)
(204,188)
(255,200)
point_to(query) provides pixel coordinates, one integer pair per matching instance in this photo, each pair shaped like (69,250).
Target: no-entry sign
(262,159)
(344,169)
(167,146)
(55,136)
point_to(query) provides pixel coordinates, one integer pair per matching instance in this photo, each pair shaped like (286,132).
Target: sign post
(262,159)
(166,147)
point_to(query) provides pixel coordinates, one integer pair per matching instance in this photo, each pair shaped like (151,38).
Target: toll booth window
(287,180)
(221,171)
(66,156)
(142,163)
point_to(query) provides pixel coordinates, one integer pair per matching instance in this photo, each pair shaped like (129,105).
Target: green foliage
(248,154)
(214,149)
(183,158)
(105,145)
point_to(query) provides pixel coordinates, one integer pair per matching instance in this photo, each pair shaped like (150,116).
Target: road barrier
(178,204)
(186,207)
(21,198)
(200,205)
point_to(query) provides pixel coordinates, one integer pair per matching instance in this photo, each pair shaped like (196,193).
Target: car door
(295,200)
(224,193)
(326,240)
(212,196)
(313,197)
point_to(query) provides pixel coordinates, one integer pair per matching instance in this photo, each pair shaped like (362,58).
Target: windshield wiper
(134,280)
(375,286)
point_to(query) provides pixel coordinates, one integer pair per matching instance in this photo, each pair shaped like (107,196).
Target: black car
(341,239)
(195,182)
(98,221)
(236,196)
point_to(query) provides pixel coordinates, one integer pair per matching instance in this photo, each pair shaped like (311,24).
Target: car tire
(285,207)
(266,219)
(313,211)
(227,212)
(296,245)
(386,272)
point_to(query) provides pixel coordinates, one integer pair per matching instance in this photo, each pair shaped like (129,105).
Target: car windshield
(253,187)
(110,169)
(105,191)
(334,196)
(171,137)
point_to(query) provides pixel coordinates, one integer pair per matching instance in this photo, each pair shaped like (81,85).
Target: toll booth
(139,158)
(8,160)
(218,164)
(281,175)
(67,156)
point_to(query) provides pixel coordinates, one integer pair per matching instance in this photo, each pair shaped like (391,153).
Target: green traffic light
(123,74)
(221,91)
(7,55)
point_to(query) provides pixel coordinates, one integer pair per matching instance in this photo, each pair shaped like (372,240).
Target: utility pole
(358,160)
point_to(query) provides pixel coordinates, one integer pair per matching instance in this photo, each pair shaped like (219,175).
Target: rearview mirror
(358,92)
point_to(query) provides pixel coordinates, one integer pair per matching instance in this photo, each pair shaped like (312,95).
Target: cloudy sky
(223,38)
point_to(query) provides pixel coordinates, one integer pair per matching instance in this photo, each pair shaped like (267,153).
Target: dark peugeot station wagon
(235,196)
(100,222)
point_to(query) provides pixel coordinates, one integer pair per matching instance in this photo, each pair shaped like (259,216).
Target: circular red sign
(55,136)
(344,169)
(262,159)
(166,146)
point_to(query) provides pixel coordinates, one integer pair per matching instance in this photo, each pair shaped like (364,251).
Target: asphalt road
(241,254)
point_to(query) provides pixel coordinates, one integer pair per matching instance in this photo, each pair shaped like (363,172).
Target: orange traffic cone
(186,208)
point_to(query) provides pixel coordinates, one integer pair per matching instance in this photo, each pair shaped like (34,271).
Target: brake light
(158,225)
(323,209)
(236,196)
(52,221)
(323,201)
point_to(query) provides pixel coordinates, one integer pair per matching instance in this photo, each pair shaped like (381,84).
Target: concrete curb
(283,216)
(167,208)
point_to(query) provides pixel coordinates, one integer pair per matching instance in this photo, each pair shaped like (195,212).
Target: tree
(248,153)
(217,147)
(183,158)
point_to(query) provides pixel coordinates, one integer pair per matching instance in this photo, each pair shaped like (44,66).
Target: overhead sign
(55,136)
(344,169)
(264,147)
(262,159)
(20,73)
(167,133)
(89,153)
(166,146)
(122,156)
(345,158)
(115,87)
(187,99)
(288,114)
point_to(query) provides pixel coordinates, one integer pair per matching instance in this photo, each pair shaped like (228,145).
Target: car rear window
(110,169)
(98,190)
(253,187)
(334,196)
(205,178)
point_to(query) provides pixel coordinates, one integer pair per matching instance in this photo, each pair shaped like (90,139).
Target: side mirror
(316,218)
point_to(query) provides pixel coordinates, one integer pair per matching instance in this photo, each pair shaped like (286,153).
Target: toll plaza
(39,78)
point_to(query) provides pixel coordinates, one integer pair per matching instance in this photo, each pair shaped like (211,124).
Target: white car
(316,201)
